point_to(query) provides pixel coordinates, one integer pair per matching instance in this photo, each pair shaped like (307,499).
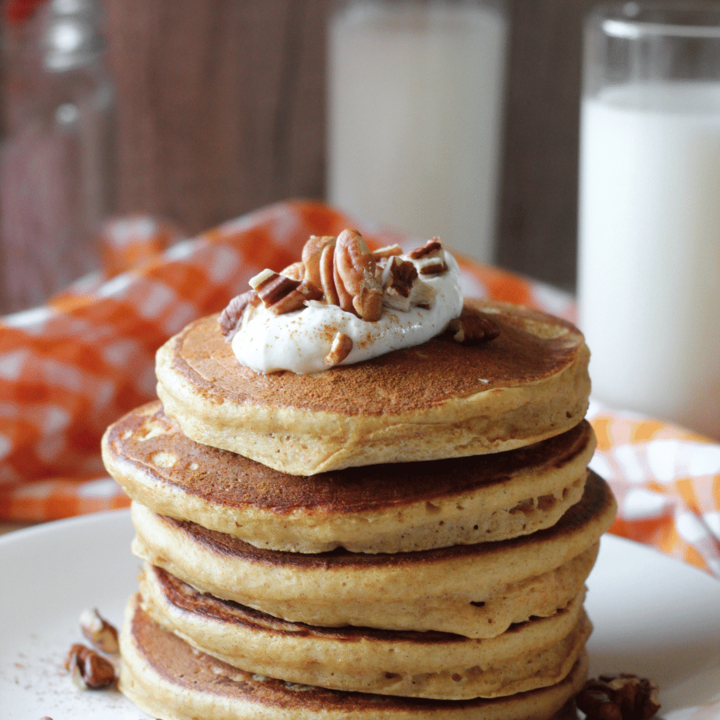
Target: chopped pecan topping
(311,257)
(296,271)
(473,328)
(272,287)
(619,697)
(327,275)
(99,631)
(342,271)
(431,247)
(436,267)
(387,252)
(400,276)
(431,256)
(354,274)
(341,346)
(368,304)
(296,299)
(232,315)
(281,294)
(89,669)
(309,291)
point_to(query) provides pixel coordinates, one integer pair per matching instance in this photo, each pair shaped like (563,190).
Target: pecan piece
(311,257)
(341,346)
(231,317)
(327,275)
(272,287)
(368,302)
(387,252)
(597,704)
(437,267)
(89,669)
(432,257)
(296,271)
(295,299)
(473,328)
(354,274)
(281,294)
(619,697)
(99,631)
(402,276)
(399,278)
(431,247)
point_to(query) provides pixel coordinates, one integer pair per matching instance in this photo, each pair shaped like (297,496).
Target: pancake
(428,590)
(381,508)
(167,678)
(537,653)
(436,400)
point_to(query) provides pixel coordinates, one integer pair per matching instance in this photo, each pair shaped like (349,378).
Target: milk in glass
(415,107)
(649,264)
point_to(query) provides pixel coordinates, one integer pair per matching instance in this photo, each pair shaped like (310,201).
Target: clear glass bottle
(415,108)
(56,166)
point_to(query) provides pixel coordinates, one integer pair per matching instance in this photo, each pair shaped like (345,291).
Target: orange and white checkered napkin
(70,368)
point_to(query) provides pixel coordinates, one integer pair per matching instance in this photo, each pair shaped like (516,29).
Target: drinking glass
(415,107)
(649,221)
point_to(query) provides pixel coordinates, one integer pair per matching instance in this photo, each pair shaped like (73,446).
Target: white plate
(653,616)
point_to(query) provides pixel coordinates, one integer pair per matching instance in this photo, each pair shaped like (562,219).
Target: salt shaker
(56,166)
(415,115)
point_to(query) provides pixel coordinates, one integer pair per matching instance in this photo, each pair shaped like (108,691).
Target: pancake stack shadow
(419,588)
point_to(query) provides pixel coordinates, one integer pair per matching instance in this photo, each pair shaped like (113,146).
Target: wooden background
(221,109)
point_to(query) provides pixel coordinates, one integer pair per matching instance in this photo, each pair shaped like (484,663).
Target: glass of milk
(415,104)
(649,225)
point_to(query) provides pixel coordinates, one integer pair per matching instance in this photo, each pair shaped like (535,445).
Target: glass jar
(415,100)
(56,166)
(649,220)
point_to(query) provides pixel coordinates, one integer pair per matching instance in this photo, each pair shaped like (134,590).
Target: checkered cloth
(70,368)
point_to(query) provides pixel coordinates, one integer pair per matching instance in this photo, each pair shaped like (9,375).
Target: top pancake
(436,400)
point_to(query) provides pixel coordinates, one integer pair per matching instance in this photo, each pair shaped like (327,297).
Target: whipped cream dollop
(302,340)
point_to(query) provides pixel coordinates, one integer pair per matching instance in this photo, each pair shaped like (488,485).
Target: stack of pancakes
(407,537)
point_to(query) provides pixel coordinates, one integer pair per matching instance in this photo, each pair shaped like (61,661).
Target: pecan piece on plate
(619,697)
(99,631)
(89,669)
